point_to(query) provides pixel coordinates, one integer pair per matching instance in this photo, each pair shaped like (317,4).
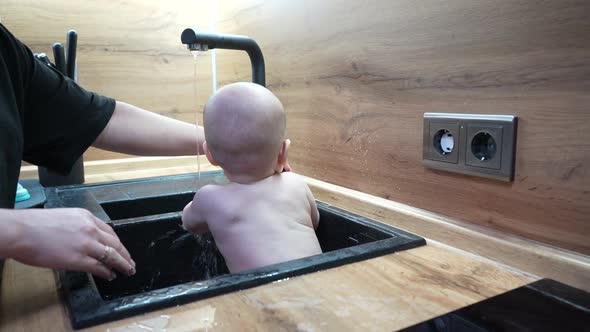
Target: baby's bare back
(263,223)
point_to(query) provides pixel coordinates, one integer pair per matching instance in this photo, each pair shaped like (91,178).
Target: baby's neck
(246,178)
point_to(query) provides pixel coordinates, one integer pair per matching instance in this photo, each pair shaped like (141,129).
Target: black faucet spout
(197,40)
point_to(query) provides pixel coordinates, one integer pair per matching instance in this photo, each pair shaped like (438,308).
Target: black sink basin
(175,267)
(132,208)
(166,255)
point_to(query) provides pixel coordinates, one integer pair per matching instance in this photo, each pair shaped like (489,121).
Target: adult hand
(70,239)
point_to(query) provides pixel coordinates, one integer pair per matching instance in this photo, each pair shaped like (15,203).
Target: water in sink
(166,255)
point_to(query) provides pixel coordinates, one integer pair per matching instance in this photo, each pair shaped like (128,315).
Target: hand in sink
(70,239)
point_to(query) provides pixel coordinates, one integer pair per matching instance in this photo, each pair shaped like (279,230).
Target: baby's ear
(282,158)
(208,155)
(285,149)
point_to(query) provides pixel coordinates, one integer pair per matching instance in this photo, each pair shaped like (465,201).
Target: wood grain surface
(385,293)
(357,76)
(512,252)
(381,294)
(127,49)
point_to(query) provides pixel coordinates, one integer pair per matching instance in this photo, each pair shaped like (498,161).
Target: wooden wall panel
(357,76)
(127,49)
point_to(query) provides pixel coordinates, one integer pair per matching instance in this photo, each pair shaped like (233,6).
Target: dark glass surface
(545,305)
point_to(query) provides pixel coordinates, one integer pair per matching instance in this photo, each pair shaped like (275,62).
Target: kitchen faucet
(197,40)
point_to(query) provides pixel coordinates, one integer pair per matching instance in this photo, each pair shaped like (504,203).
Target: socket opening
(444,142)
(483,146)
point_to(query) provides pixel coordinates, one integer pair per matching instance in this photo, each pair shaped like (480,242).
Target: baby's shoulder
(208,192)
(292,177)
(293,181)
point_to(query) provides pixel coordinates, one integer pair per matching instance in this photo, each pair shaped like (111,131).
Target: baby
(263,216)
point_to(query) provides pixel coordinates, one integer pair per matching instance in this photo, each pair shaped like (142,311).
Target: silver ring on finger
(106,254)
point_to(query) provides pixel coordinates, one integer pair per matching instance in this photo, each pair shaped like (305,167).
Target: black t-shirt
(45,118)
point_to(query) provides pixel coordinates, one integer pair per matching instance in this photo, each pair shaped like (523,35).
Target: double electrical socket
(473,144)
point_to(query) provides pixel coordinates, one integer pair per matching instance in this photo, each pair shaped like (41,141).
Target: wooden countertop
(384,293)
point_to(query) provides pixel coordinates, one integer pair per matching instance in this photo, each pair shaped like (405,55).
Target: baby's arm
(193,215)
(315,214)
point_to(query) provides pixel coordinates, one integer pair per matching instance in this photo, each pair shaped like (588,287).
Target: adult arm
(133,130)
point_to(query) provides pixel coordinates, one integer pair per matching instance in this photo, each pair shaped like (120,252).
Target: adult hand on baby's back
(70,239)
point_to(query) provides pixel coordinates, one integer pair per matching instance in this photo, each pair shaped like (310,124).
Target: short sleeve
(61,119)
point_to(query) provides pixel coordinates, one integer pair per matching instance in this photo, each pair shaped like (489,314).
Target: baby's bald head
(244,128)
